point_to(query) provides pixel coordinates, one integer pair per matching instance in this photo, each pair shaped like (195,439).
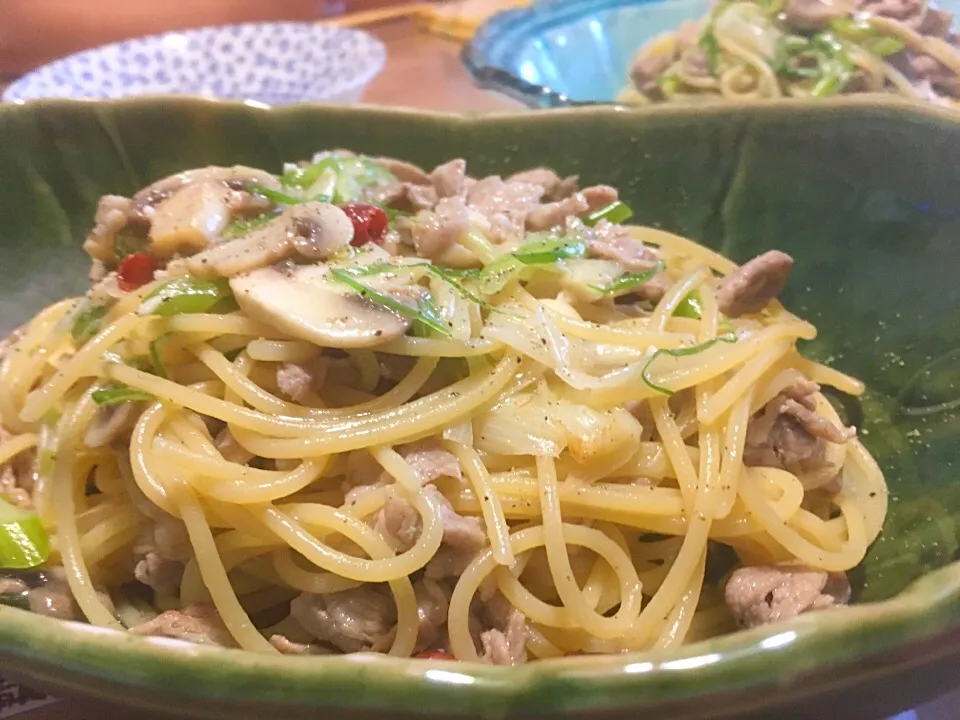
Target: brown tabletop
(424,71)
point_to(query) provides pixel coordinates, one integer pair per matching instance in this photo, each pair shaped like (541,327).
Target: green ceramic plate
(866,196)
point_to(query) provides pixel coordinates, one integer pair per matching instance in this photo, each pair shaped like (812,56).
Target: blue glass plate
(567,52)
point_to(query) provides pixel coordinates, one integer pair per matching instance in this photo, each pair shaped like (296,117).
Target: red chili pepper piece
(369,223)
(435,655)
(134,271)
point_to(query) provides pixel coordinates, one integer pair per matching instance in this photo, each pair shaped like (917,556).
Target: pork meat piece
(463,537)
(815,14)
(286,646)
(555,214)
(614,242)
(927,69)
(352,620)
(433,603)
(436,232)
(161,553)
(647,66)
(199,624)
(430,461)
(788,434)
(448,179)
(298,380)
(398,522)
(750,287)
(504,205)
(554,187)
(507,645)
(766,594)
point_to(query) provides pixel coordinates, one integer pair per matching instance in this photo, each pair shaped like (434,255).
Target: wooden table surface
(422,71)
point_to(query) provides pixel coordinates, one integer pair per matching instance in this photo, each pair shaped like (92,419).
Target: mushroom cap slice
(305,302)
(190,219)
(144,200)
(318,230)
(314,230)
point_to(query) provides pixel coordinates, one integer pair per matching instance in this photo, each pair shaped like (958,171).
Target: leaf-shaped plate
(863,192)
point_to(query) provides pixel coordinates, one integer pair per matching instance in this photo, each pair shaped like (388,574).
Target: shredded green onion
(669,84)
(281,198)
(362,170)
(690,307)
(549,251)
(156,360)
(861,31)
(616,212)
(711,48)
(835,65)
(498,274)
(431,312)
(187,295)
(87,321)
(627,281)
(853,28)
(495,276)
(242,227)
(448,275)
(113,394)
(23,541)
(337,178)
(883,46)
(305,177)
(426,312)
(392,213)
(788,47)
(679,352)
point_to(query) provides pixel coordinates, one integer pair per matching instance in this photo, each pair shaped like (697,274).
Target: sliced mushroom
(305,302)
(318,230)
(110,423)
(315,230)
(190,219)
(145,201)
(257,249)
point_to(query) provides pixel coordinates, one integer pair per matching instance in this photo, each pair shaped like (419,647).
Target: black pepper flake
(873,494)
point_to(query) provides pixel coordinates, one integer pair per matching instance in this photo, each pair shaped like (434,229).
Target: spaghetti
(802,48)
(359,406)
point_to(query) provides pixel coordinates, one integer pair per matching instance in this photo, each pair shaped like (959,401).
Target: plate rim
(364,75)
